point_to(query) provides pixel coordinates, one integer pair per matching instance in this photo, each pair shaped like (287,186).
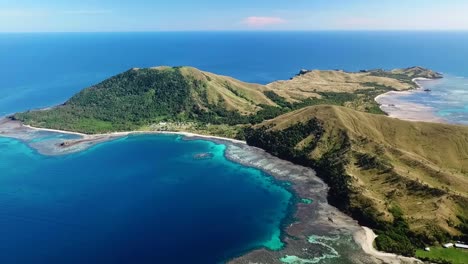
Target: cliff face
(404,178)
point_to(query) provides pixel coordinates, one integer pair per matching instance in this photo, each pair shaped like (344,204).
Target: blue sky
(202,15)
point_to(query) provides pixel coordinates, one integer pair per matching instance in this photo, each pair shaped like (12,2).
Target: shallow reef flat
(316,232)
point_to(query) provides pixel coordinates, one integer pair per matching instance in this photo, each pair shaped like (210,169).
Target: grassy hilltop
(407,179)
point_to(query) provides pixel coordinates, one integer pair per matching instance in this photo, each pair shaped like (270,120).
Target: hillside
(141,97)
(408,180)
(412,72)
(363,86)
(188,99)
(311,83)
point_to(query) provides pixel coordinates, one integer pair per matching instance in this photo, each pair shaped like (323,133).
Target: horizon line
(239,31)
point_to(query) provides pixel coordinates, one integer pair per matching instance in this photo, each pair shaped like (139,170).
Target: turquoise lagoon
(448,98)
(139,199)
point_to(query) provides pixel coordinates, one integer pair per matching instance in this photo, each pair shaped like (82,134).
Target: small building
(448,245)
(459,245)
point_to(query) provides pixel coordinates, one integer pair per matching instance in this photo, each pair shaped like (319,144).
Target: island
(408,181)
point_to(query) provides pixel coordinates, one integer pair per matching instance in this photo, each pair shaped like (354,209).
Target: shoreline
(136,132)
(71,142)
(319,215)
(317,219)
(367,238)
(393,107)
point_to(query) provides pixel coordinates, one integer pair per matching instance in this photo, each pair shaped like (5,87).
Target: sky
(234,15)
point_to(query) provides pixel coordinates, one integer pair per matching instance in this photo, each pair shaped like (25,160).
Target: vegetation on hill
(406,75)
(392,175)
(142,98)
(309,83)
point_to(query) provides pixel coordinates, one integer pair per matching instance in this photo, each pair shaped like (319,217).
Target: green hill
(409,180)
(185,98)
(141,97)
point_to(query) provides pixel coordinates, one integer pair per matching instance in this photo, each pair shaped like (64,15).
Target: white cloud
(259,21)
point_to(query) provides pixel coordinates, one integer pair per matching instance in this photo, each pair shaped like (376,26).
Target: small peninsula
(405,180)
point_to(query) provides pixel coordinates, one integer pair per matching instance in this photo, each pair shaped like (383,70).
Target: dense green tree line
(282,143)
(123,102)
(463,227)
(397,237)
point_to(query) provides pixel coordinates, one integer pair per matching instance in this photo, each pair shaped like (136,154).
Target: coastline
(366,239)
(79,141)
(394,107)
(136,132)
(315,219)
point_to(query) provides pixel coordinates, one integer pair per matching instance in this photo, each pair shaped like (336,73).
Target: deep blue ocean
(146,199)
(39,70)
(141,199)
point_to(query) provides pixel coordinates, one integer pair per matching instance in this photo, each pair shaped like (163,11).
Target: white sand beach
(16,129)
(392,104)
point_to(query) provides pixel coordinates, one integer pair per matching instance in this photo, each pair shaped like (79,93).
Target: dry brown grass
(423,156)
(246,97)
(309,84)
(234,94)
